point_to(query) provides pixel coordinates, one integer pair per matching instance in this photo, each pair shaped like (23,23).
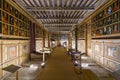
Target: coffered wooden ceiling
(59,15)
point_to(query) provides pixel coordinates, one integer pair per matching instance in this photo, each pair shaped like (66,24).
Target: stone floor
(29,71)
(101,73)
(32,70)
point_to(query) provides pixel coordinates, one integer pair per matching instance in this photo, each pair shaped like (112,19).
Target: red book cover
(116,6)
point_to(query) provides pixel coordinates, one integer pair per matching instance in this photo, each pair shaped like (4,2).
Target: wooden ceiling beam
(59,8)
(59,18)
(57,24)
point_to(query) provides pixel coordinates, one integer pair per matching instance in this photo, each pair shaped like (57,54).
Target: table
(12,68)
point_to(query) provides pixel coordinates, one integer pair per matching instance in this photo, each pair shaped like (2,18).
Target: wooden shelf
(13,24)
(38,38)
(38,32)
(81,31)
(10,36)
(107,21)
(81,38)
(107,36)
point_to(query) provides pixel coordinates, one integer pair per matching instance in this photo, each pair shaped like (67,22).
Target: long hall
(59,67)
(60,39)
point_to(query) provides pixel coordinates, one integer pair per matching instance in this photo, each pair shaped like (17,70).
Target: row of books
(9,18)
(108,20)
(114,29)
(107,11)
(11,10)
(38,30)
(11,30)
(14,21)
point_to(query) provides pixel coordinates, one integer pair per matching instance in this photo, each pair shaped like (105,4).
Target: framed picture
(97,49)
(4,52)
(12,51)
(24,48)
(112,51)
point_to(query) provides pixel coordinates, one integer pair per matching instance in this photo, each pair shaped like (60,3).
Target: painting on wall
(25,48)
(46,43)
(112,51)
(81,48)
(97,49)
(4,52)
(73,44)
(39,45)
(12,51)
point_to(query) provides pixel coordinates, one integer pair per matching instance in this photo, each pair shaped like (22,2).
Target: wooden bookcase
(81,31)
(38,32)
(12,22)
(107,21)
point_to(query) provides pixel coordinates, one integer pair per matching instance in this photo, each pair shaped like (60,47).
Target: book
(101,14)
(22,33)
(109,30)
(16,31)
(105,21)
(101,31)
(115,28)
(109,10)
(5,6)
(115,17)
(11,9)
(105,12)
(11,30)
(115,6)
(16,13)
(109,20)
(11,20)
(101,23)
(97,32)
(104,31)
(15,22)
(5,29)
(5,17)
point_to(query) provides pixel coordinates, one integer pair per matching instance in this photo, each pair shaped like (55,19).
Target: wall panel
(81,46)
(13,52)
(106,53)
(39,45)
